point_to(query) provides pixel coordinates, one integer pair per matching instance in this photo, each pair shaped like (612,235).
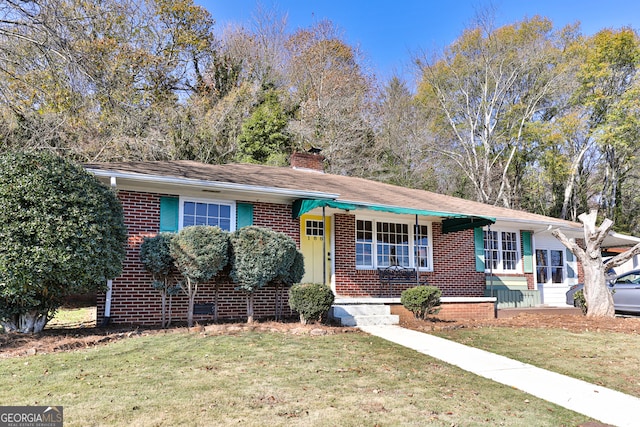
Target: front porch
(375,311)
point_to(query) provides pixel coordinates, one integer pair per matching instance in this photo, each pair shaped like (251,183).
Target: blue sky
(390,32)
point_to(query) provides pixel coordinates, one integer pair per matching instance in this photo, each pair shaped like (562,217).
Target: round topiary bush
(310,300)
(421,300)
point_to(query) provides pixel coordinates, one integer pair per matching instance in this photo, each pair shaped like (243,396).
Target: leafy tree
(609,88)
(264,138)
(155,255)
(330,88)
(200,253)
(61,232)
(97,79)
(258,257)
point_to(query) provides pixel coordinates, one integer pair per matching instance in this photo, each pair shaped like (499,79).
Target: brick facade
(453,260)
(134,301)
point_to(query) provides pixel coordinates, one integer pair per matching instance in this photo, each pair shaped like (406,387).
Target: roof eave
(218,185)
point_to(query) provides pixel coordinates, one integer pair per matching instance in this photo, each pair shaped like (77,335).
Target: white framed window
(364,244)
(392,243)
(221,213)
(502,250)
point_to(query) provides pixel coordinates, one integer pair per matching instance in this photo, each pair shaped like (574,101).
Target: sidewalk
(603,404)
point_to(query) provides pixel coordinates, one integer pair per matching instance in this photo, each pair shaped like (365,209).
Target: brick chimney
(312,161)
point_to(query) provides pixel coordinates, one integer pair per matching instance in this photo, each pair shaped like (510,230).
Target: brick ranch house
(348,229)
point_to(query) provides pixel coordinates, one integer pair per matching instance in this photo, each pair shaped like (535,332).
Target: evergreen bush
(311,300)
(260,256)
(155,255)
(421,300)
(61,232)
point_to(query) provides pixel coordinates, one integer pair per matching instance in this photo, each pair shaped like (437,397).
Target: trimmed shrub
(310,300)
(421,300)
(200,253)
(155,255)
(260,256)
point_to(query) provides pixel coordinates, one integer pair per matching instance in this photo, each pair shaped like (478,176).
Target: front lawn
(267,378)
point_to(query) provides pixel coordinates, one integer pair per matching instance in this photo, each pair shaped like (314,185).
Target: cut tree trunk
(596,294)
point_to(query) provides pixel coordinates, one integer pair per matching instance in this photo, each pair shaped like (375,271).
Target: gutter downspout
(107,301)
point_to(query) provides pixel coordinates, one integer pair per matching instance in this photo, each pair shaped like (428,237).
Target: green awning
(453,222)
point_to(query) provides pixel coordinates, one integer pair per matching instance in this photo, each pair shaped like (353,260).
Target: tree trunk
(32,322)
(192,289)
(163,293)
(596,294)
(215,304)
(250,307)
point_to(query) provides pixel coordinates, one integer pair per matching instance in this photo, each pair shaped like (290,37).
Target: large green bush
(421,300)
(200,253)
(61,232)
(310,300)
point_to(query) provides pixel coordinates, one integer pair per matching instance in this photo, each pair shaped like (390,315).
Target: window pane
(201,209)
(212,214)
(364,244)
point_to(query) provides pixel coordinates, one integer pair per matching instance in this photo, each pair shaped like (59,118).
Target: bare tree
(488,86)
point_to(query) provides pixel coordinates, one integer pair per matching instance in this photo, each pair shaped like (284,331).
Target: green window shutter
(169,211)
(245,215)
(571,274)
(478,237)
(527,252)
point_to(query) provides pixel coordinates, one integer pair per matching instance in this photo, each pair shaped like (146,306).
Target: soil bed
(65,339)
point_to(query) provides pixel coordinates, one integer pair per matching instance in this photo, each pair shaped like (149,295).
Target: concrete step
(370,320)
(364,314)
(343,310)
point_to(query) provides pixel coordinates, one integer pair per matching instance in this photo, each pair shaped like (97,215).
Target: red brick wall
(277,217)
(453,258)
(133,299)
(455,311)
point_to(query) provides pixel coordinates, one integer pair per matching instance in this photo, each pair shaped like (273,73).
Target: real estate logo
(31,416)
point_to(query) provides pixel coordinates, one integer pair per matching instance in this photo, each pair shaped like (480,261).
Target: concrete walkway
(603,404)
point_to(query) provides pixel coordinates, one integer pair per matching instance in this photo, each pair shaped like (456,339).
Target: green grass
(257,379)
(74,318)
(604,358)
